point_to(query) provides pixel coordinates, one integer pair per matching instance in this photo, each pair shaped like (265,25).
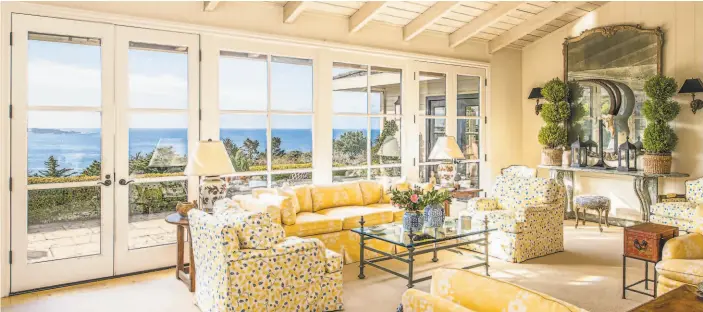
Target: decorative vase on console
(659,138)
(556,111)
(409,201)
(434,211)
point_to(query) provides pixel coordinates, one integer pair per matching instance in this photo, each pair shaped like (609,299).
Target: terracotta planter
(552,157)
(657,163)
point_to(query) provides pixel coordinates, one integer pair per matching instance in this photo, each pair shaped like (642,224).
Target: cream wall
(682,23)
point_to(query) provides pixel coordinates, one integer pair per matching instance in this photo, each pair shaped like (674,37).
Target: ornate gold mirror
(606,67)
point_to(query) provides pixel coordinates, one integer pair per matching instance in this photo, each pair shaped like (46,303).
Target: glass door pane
(157,101)
(62,152)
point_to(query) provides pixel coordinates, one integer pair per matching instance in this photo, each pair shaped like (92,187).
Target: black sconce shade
(693,85)
(536,93)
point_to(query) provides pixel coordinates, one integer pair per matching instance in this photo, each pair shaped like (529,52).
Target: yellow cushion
(259,191)
(351,215)
(336,195)
(308,223)
(285,203)
(289,192)
(304,197)
(401,186)
(371,192)
(682,270)
(397,212)
(481,293)
(414,300)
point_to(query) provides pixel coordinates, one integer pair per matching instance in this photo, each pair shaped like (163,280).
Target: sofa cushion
(515,192)
(398,185)
(255,230)
(694,191)
(336,195)
(683,270)
(286,205)
(678,210)
(333,261)
(308,223)
(304,197)
(249,203)
(371,192)
(351,215)
(397,212)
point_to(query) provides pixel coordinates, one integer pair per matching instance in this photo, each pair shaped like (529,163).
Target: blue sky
(63,74)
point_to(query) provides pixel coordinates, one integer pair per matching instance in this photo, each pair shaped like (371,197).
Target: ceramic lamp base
(212,189)
(446,174)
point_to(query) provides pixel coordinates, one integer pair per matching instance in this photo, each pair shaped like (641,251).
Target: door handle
(125,182)
(107,182)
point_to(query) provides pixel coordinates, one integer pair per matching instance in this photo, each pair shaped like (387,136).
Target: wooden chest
(645,241)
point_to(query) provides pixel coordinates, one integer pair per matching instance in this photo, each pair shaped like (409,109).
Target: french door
(103,119)
(156,80)
(452,102)
(62,151)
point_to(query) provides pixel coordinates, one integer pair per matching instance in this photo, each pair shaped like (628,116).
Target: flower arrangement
(435,197)
(408,200)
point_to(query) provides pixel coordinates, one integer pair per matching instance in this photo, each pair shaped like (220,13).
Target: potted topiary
(555,112)
(659,137)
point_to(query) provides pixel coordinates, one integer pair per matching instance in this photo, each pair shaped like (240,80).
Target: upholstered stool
(601,204)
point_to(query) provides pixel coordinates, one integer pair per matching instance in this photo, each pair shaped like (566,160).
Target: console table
(646,186)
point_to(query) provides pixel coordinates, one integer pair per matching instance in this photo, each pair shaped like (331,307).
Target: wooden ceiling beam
(209,6)
(292,10)
(481,22)
(365,14)
(531,24)
(427,18)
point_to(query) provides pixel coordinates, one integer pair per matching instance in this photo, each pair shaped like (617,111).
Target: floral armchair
(680,214)
(528,213)
(244,262)
(454,290)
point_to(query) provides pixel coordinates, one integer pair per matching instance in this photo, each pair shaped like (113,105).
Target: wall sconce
(693,86)
(536,94)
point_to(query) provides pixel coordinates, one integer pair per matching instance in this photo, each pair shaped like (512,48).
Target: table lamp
(210,161)
(447,150)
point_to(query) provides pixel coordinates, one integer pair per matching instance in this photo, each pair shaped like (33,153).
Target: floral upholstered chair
(682,259)
(680,214)
(455,290)
(244,262)
(519,171)
(528,214)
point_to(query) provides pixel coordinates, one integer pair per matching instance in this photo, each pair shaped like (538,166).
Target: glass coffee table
(429,240)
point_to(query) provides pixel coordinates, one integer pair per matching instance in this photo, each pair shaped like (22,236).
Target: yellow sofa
(328,212)
(682,261)
(464,291)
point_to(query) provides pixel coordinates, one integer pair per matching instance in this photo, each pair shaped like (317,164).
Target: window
(366,104)
(266,116)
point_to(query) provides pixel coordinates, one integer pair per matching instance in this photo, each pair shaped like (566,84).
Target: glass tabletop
(393,233)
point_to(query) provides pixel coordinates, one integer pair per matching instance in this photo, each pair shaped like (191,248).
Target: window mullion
(269,164)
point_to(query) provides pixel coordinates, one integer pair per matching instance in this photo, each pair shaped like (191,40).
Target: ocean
(78,148)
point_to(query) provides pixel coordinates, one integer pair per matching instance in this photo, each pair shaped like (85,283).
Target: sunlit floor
(64,240)
(588,274)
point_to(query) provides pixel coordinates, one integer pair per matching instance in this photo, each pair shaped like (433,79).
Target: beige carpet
(587,274)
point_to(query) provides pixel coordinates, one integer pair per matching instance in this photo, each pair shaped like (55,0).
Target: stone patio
(73,239)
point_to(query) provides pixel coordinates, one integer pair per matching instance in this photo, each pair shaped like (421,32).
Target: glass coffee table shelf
(426,241)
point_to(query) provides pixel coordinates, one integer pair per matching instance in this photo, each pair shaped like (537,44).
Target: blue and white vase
(434,216)
(412,221)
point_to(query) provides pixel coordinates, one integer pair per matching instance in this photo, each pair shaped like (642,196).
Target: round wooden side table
(185,273)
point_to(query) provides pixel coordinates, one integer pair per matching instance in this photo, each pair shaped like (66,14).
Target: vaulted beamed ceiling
(502,24)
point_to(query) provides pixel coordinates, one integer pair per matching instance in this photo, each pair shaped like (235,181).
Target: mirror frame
(608,31)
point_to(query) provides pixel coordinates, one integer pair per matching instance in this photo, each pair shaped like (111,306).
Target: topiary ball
(656,110)
(556,113)
(659,138)
(555,91)
(552,136)
(660,87)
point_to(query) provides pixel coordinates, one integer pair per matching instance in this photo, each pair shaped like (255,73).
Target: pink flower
(414,198)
